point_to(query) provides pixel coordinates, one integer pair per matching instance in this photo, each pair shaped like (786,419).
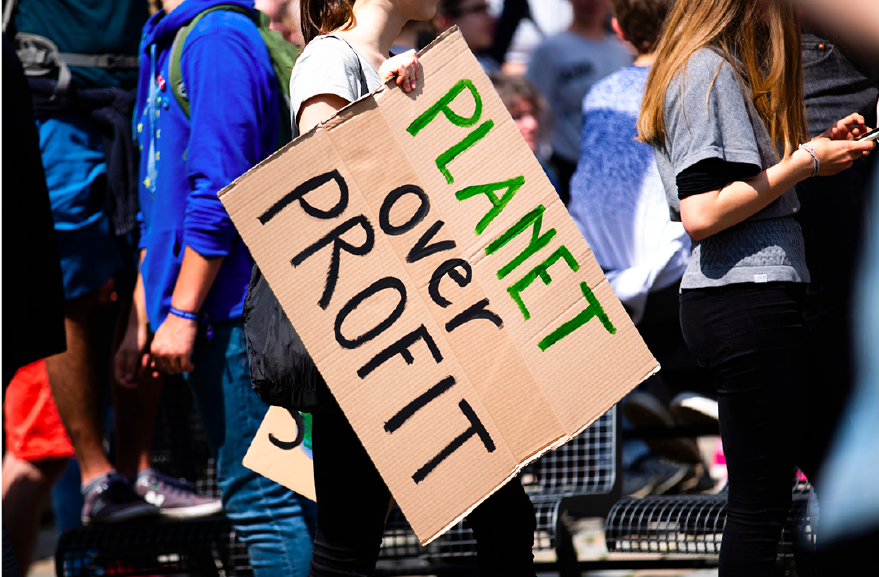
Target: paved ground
(590,545)
(588,539)
(44,566)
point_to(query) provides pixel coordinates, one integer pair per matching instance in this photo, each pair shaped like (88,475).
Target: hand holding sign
(404,66)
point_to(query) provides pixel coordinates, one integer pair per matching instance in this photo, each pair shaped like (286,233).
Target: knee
(259,504)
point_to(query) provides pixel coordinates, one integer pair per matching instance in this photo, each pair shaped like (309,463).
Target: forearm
(131,357)
(711,212)
(138,314)
(194,282)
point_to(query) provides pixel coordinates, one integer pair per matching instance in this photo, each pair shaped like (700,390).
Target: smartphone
(872,135)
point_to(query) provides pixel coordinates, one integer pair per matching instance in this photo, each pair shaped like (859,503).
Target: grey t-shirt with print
(564,67)
(328,65)
(768,246)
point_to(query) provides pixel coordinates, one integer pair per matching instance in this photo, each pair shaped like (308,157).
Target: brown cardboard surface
(269,456)
(509,339)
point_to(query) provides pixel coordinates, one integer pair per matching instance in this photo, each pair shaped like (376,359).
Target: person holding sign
(194,266)
(346,57)
(723,109)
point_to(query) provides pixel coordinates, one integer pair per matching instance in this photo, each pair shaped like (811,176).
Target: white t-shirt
(329,65)
(548,17)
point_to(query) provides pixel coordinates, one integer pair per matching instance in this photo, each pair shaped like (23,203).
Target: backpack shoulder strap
(175,74)
(8,8)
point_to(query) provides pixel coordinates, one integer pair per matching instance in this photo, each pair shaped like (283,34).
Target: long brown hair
(324,16)
(760,39)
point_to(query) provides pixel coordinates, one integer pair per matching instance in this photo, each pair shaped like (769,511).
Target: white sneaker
(694,409)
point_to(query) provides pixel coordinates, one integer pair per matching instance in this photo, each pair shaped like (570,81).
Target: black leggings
(353,503)
(752,338)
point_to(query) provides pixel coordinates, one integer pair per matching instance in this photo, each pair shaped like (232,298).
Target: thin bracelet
(808,149)
(184,314)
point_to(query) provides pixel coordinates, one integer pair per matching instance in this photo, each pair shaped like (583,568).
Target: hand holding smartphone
(870,136)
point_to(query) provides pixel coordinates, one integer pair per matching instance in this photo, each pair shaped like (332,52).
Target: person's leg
(37,454)
(73,157)
(504,527)
(67,499)
(10,567)
(753,340)
(136,411)
(353,501)
(273,521)
(72,378)
(565,170)
(26,487)
(108,497)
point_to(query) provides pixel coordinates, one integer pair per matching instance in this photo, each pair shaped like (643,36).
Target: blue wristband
(183,314)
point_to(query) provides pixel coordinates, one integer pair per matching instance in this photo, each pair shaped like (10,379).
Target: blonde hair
(759,38)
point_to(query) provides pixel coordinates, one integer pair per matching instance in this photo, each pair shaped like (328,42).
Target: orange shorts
(33,426)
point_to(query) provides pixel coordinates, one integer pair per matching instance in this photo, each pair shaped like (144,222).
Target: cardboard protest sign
(282,453)
(438,282)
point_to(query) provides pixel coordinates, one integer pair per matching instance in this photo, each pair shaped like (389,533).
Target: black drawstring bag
(282,372)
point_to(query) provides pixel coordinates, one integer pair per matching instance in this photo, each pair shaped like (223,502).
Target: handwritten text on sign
(404,238)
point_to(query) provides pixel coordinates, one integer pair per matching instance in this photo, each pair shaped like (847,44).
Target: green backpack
(282,53)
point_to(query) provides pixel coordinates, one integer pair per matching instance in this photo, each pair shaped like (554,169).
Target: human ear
(614,23)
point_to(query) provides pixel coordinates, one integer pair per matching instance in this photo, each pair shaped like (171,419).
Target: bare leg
(72,378)
(136,410)
(26,486)
(135,422)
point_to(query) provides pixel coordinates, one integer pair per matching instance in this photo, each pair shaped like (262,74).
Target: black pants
(752,339)
(661,330)
(565,170)
(353,503)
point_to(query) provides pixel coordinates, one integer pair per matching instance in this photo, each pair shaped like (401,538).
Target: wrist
(804,164)
(808,161)
(183,314)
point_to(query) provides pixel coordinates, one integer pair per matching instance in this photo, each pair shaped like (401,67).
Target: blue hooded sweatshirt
(185,162)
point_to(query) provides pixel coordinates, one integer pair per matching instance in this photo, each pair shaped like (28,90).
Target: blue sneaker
(110,499)
(174,498)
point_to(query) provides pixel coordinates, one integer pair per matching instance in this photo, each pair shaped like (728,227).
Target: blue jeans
(276,524)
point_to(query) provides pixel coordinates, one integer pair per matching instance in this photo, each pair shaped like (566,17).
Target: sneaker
(694,409)
(110,499)
(696,481)
(174,497)
(637,483)
(645,410)
(674,478)
(651,475)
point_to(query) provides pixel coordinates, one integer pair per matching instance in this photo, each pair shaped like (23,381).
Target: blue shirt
(185,162)
(617,197)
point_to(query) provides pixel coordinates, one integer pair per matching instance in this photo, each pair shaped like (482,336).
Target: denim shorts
(73,158)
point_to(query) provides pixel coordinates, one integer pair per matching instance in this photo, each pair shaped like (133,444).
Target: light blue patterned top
(617,197)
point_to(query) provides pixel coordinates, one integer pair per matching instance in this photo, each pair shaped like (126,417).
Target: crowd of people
(707,150)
